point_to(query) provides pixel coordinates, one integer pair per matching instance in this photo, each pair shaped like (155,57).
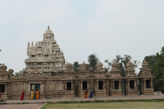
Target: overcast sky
(82,27)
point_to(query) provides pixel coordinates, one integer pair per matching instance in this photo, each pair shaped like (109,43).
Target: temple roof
(3,67)
(145,63)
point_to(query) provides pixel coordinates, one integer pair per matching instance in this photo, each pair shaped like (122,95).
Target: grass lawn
(108,105)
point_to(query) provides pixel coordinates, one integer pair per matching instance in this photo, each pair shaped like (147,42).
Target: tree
(92,60)
(122,61)
(156,63)
(75,66)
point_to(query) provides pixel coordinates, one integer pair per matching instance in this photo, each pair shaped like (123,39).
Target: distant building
(47,71)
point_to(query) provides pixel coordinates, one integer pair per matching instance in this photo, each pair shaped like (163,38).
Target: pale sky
(82,27)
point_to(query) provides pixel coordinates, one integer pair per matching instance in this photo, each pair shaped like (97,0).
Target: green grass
(108,105)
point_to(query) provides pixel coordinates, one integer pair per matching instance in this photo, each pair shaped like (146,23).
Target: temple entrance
(35,91)
(2,88)
(35,87)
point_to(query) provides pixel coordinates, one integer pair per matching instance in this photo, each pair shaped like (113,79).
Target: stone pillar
(127,90)
(112,84)
(107,86)
(128,85)
(89,84)
(135,84)
(81,86)
(72,86)
(151,83)
(119,85)
(64,85)
(144,84)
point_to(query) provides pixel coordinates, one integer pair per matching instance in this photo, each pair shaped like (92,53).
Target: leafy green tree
(156,63)
(75,66)
(92,60)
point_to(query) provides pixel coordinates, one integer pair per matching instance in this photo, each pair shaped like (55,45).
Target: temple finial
(48,27)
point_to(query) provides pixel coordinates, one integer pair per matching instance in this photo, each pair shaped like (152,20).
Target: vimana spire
(45,56)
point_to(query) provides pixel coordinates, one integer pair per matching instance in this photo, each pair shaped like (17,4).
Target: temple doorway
(35,87)
(35,91)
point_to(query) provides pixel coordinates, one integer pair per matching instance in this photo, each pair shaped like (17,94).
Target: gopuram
(47,71)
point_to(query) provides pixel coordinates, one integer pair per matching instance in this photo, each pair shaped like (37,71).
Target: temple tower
(45,57)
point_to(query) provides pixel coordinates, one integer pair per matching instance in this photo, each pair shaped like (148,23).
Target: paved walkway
(111,98)
(35,104)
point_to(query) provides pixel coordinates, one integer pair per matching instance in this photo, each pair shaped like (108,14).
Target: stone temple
(47,71)
(45,57)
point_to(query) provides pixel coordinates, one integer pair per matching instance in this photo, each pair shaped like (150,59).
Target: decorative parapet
(130,69)
(145,70)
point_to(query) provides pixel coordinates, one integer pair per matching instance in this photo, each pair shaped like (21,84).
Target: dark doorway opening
(131,84)
(100,85)
(147,83)
(68,86)
(2,88)
(116,84)
(84,85)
